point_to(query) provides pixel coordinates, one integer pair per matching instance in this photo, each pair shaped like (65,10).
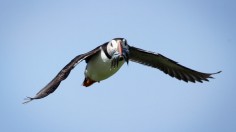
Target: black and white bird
(107,59)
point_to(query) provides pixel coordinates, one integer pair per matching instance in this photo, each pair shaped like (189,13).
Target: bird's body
(99,68)
(108,58)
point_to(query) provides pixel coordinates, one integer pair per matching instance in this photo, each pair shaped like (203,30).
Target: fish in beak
(121,54)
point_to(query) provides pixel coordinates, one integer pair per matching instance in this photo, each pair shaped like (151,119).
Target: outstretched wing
(167,65)
(62,75)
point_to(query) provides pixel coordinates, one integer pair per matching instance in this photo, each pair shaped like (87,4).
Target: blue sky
(37,38)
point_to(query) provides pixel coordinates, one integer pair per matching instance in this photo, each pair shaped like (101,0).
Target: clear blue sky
(38,38)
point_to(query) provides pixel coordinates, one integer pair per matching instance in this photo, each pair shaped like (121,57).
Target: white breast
(99,67)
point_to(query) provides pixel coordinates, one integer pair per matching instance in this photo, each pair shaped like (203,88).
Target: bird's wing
(167,65)
(62,75)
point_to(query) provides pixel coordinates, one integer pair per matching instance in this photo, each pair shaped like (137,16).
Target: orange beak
(120,49)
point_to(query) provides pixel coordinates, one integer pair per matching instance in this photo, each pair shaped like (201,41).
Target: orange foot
(87,82)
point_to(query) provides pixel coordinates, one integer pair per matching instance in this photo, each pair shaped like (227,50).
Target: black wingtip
(217,72)
(28,99)
(214,74)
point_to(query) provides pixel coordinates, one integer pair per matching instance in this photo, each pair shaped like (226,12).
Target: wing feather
(167,65)
(62,75)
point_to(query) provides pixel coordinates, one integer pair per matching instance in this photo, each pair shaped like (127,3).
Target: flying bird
(106,59)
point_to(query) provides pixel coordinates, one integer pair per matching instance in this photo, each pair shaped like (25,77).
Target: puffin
(106,59)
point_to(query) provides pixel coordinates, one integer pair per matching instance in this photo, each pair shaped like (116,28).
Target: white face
(116,45)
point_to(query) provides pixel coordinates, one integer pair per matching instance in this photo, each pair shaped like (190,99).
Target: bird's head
(118,49)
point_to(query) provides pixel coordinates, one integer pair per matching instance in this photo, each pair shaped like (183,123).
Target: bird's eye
(111,45)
